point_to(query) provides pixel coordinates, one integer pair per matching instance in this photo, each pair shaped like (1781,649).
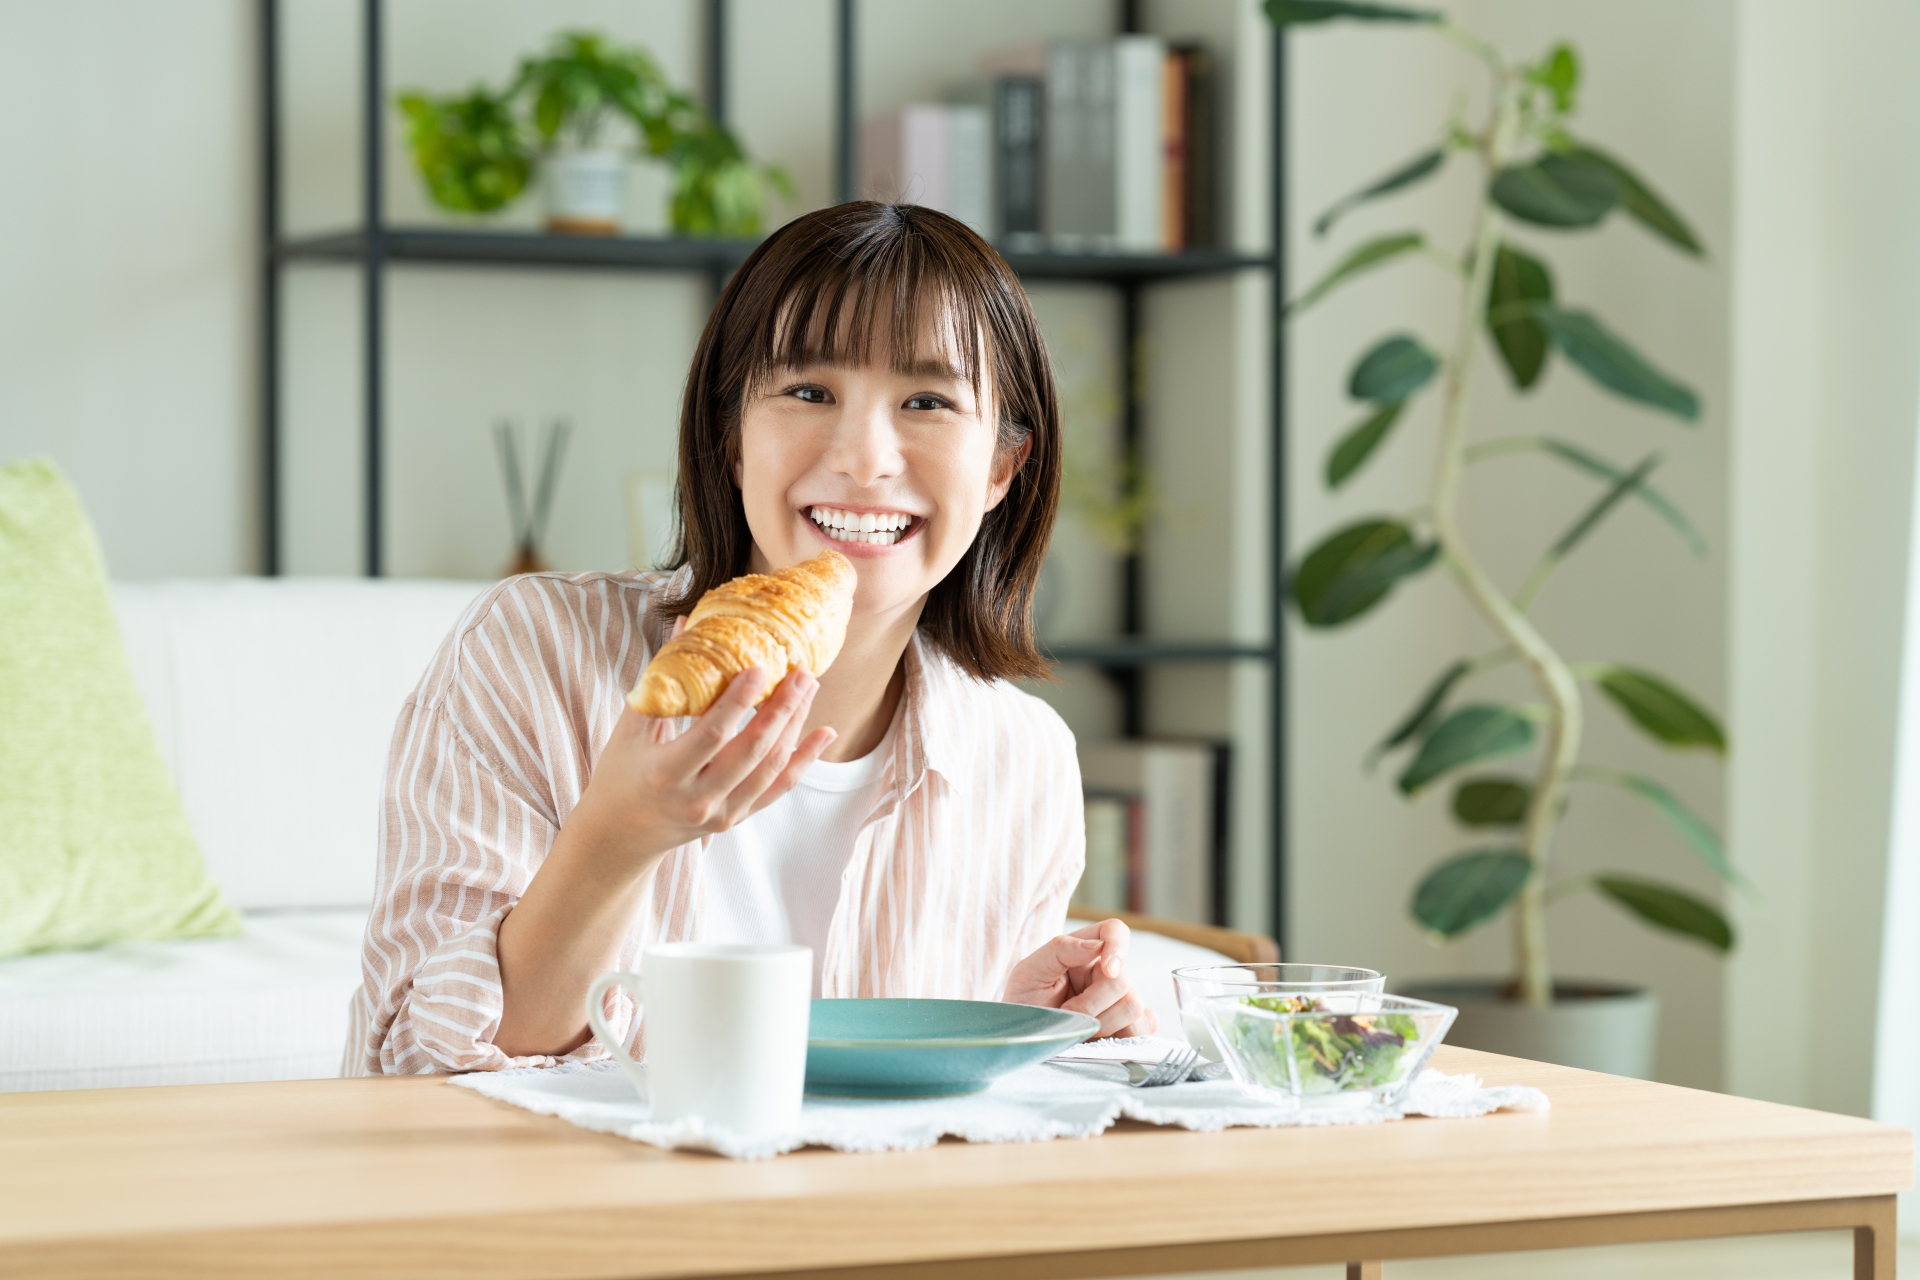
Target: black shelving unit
(377,245)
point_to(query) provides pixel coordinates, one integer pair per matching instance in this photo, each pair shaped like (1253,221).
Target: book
(1172,869)
(1103,144)
(1200,152)
(1018,106)
(1114,831)
(933,154)
(1139,147)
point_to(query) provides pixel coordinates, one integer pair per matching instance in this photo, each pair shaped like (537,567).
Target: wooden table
(410,1177)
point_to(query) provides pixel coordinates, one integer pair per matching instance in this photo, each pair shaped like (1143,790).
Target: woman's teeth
(881,529)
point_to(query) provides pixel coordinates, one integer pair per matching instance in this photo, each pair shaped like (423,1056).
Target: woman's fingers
(731,766)
(1108,987)
(721,723)
(797,764)
(746,797)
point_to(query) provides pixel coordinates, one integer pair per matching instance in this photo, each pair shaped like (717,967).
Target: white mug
(726,1032)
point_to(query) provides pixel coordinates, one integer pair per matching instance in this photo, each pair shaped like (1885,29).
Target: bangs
(891,296)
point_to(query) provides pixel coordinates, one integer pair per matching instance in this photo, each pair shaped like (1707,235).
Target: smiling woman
(871,380)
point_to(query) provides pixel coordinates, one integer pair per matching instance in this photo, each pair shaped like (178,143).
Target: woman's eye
(809,394)
(928,403)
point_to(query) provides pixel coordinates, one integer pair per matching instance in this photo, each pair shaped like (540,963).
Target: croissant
(794,617)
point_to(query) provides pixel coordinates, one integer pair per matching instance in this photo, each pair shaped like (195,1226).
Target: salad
(1310,1049)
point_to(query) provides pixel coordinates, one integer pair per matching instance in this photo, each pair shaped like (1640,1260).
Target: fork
(1172,1069)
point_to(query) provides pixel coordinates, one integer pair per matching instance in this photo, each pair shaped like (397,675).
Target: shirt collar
(930,736)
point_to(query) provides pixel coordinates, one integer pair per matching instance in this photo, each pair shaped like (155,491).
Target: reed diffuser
(530,522)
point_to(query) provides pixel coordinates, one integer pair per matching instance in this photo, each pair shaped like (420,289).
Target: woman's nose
(866,445)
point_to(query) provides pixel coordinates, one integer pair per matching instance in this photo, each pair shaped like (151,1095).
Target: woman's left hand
(1085,972)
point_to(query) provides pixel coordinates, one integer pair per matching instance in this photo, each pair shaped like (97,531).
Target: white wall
(1826,348)
(1363,99)
(127,280)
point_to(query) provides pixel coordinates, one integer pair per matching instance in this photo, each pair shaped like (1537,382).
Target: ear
(1006,465)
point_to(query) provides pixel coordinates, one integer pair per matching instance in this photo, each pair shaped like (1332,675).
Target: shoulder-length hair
(827,288)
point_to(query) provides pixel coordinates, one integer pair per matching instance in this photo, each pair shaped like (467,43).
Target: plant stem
(1549,672)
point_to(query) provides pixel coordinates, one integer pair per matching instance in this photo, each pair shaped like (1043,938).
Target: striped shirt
(963,867)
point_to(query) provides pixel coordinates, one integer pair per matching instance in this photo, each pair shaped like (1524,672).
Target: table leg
(1873,1244)
(1372,1271)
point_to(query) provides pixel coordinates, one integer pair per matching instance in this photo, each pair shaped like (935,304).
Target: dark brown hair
(824,289)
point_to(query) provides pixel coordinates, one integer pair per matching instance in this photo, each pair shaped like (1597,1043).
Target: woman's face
(894,470)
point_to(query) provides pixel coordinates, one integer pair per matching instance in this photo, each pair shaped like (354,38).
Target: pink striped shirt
(964,866)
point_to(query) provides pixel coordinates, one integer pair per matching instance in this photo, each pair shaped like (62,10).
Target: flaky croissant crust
(792,617)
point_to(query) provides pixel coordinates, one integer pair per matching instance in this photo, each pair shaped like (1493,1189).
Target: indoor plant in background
(1537,175)
(478,150)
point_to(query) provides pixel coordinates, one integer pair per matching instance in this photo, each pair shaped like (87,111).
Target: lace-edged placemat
(1032,1104)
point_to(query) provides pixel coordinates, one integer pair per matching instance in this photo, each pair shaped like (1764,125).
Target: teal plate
(929,1048)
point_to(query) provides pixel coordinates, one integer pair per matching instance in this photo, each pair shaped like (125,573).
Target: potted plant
(478,150)
(1538,176)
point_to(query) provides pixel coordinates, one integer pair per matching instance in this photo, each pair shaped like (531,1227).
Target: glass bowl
(1194,984)
(1297,1049)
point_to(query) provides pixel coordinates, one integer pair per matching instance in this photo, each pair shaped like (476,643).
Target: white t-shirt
(776,876)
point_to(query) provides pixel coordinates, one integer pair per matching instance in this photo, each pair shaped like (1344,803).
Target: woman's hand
(1085,972)
(659,789)
(652,790)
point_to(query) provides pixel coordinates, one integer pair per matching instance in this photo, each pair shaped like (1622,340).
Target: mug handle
(596,999)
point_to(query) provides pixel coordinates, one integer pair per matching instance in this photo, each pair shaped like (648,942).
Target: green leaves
(1464,891)
(1369,255)
(1352,570)
(1492,802)
(1573,455)
(1604,504)
(1519,281)
(1481,731)
(1701,838)
(1395,369)
(1661,709)
(1297,12)
(1559,74)
(469,148)
(1557,191)
(1424,713)
(1421,166)
(1669,909)
(1613,364)
(1639,200)
(1355,447)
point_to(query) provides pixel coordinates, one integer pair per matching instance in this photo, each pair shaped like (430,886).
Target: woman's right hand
(654,788)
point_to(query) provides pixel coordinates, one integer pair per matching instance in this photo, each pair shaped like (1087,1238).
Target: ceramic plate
(929,1048)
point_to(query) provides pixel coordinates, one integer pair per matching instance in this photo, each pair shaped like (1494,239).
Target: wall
(1361,100)
(126,289)
(1826,330)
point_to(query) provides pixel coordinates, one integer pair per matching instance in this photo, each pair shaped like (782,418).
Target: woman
(872,379)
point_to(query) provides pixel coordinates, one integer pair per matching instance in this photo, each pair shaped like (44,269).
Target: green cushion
(94,846)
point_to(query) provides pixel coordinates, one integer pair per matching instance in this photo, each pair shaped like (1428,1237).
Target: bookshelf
(376,245)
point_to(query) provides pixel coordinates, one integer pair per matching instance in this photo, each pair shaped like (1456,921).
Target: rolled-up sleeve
(459,843)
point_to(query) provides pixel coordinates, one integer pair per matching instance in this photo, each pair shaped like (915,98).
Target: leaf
(1371,254)
(1559,74)
(1492,802)
(1604,504)
(1394,369)
(1463,891)
(1639,199)
(1670,909)
(1353,569)
(1521,340)
(1557,191)
(1575,456)
(1421,166)
(1692,828)
(1424,712)
(1290,12)
(1662,710)
(1358,444)
(1478,732)
(1613,364)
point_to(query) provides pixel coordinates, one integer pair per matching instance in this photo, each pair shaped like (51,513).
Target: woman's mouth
(876,528)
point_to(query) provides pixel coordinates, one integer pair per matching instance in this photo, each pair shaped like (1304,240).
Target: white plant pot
(1591,1025)
(586,192)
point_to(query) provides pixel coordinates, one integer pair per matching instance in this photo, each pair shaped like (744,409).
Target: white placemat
(1030,1105)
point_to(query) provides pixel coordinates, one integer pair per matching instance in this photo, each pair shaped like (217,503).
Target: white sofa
(273,700)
